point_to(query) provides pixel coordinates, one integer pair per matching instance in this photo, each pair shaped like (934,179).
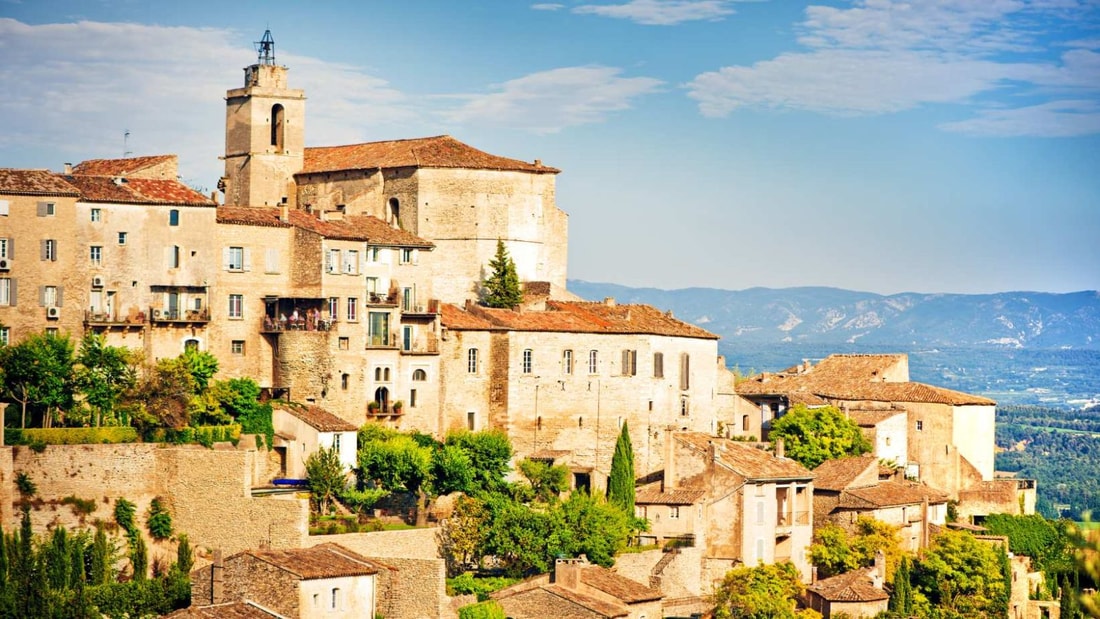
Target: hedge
(70,436)
(203,435)
(482,610)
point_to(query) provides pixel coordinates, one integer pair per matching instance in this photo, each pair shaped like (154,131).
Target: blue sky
(878,145)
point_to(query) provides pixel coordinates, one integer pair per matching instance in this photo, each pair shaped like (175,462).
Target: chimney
(284,213)
(668,481)
(538,163)
(805,365)
(68,169)
(567,573)
(217,579)
(780,448)
(879,575)
(609,301)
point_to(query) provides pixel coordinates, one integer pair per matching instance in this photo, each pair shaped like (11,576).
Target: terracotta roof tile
(620,587)
(745,460)
(321,561)
(654,496)
(854,586)
(120,167)
(232,610)
(840,473)
(602,608)
(320,419)
(889,494)
(352,228)
(441,151)
(34,183)
(454,317)
(137,191)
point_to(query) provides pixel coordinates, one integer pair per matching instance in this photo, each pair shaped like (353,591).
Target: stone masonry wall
(245,577)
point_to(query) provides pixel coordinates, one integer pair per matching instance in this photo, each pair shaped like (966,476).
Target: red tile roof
(620,587)
(137,191)
(441,151)
(854,586)
(654,496)
(34,183)
(120,167)
(840,473)
(231,610)
(321,561)
(745,460)
(889,494)
(574,317)
(351,228)
(319,419)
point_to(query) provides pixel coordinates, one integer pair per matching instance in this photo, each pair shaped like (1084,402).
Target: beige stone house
(948,435)
(740,504)
(847,488)
(322,581)
(579,590)
(857,594)
(302,430)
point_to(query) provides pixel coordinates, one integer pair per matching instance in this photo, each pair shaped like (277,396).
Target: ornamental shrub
(158,520)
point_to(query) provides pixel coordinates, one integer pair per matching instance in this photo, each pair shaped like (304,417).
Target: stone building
(580,590)
(300,431)
(857,594)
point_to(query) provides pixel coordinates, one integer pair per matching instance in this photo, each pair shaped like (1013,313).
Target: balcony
(421,346)
(275,326)
(159,315)
(785,523)
(420,310)
(386,409)
(384,340)
(377,299)
(110,320)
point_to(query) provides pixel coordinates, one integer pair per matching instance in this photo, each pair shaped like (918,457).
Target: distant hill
(831,316)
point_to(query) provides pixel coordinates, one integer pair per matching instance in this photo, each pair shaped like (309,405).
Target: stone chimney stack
(68,169)
(284,213)
(880,568)
(669,480)
(217,579)
(567,573)
(780,448)
(609,301)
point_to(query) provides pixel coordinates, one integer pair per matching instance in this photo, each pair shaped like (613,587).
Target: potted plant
(397,406)
(373,406)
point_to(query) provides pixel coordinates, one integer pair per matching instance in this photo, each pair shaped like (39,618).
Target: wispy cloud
(548,101)
(885,56)
(547,6)
(660,12)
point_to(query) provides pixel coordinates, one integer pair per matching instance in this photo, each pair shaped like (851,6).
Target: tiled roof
(34,183)
(321,561)
(136,191)
(574,317)
(119,167)
(854,586)
(872,417)
(654,496)
(838,474)
(889,494)
(231,610)
(351,228)
(601,608)
(620,587)
(441,151)
(865,367)
(320,419)
(745,460)
(905,392)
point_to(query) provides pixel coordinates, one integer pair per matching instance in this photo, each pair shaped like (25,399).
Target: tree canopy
(835,551)
(814,435)
(762,592)
(502,288)
(962,576)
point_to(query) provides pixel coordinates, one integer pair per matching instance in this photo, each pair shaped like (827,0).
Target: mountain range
(832,316)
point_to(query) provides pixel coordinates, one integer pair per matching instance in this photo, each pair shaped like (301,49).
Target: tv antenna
(126,152)
(266,49)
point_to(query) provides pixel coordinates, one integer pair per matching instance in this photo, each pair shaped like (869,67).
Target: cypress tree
(901,600)
(1070,607)
(139,558)
(620,486)
(502,289)
(100,572)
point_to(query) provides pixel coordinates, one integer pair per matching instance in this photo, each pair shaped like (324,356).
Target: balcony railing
(94,318)
(785,522)
(275,325)
(161,315)
(377,299)
(428,346)
(418,310)
(382,341)
(385,410)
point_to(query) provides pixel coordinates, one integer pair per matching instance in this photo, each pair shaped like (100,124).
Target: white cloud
(660,12)
(549,101)
(886,56)
(547,6)
(1054,119)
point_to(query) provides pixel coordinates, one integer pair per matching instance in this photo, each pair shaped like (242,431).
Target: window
(344,381)
(471,361)
(335,592)
(52,331)
(412,398)
(333,307)
(271,260)
(51,296)
(236,306)
(760,550)
(344,343)
(174,257)
(351,262)
(527,361)
(684,408)
(237,347)
(630,363)
(6,248)
(760,512)
(95,254)
(658,365)
(419,375)
(593,362)
(174,217)
(471,418)
(234,259)
(379,329)
(47,209)
(353,309)
(332,265)
(97,215)
(278,122)
(744,423)
(685,371)
(407,299)
(920,426)
(674,512)
(4,205)
(121,238)
(395,212)
(336,437)
(7,291)
(567,361)
(373,254)
(5,336)
(372,286)
(49,250)
(407,255)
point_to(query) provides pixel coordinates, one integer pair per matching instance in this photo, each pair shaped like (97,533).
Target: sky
(875,145)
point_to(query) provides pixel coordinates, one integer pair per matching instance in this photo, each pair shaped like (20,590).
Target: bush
(35,437)
(124,516)
(81,507)
(481,587)
(482,610)
(26,486)
(203,435)
(158,520)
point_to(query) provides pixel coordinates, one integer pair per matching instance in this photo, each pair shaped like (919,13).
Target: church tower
(264,134)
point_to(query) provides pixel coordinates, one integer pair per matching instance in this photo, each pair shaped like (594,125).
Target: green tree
(326,478)
(162,396)
(1069,602)
(901,598)
(201,364)
(38,374)
(490,609)
(963,575)
(523,540)
(103,374)
(463,534)
(102,560)
(185,556)
(452,470)
(490,452)
(547,480)
(762,592)
(502,288)
(398,464)
(835,551)
(814,435)
(591,526)
(620,485)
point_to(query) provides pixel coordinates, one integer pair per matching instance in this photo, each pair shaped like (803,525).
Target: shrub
(124,516)
(481,587)
(25,485)
(158,520)
(482,610)
(38,438)
(81,507)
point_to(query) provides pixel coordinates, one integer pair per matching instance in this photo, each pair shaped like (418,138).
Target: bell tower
(264,134)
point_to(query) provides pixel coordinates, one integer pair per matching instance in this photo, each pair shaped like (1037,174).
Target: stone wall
(245,577)
(676,574)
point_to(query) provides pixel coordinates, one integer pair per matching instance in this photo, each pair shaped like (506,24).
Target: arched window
(344,381)
(382,396)
(394,214)
(420,375)
(377,375)
(277,125)
(191,344)
(386,375)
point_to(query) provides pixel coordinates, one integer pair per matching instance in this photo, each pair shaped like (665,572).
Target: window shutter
(225,258)
(11,248)
(247,259)
(168,257)
(271,259)
(41,296)
(42,207)
(328,261)
(60,295)
(56,251)
(3,207)
(42,250)
(12,291)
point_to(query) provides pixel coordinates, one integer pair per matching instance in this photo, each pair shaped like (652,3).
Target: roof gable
(745,460)
(130,166)
(137,191)
(841,473)
(318,418)
(34,183)
(442,151)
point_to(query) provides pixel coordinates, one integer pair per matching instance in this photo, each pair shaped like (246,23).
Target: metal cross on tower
(266,49)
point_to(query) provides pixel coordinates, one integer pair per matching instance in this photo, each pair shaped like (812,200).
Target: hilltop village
(347,283)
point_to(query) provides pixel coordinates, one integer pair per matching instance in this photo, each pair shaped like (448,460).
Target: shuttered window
(630,363)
